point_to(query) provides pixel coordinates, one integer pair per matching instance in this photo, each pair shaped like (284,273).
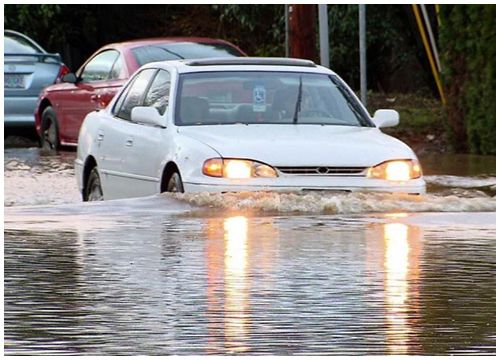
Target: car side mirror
(69,78)
(147,115)
(386,118)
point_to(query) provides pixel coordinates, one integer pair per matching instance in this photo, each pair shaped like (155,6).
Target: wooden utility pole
(302,22)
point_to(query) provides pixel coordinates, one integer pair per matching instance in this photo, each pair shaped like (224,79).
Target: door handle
(129,142)
(100,135)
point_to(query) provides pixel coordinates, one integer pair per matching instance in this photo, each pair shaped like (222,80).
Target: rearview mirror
(386,118)
(147,115)
(69,78)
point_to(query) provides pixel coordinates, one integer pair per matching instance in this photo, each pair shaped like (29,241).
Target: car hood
(301,145)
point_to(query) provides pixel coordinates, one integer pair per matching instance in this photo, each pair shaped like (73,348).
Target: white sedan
(246,124)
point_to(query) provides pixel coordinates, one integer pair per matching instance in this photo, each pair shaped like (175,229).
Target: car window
(121,97)
(184,50)
(135,94)
(117,69)
(14,44)
(99,68)
(159,92)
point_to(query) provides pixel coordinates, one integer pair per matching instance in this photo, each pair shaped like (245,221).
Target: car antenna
(299,100)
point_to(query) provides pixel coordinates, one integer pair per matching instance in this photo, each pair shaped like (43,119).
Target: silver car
(28,68)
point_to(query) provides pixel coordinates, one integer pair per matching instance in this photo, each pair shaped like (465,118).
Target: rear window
(14,44)
(177,51)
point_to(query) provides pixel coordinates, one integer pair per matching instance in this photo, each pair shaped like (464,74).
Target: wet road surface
(132,280)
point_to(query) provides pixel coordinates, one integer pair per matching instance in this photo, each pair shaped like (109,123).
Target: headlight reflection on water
(396,262)
(236,282)
(401,264)
(230,241)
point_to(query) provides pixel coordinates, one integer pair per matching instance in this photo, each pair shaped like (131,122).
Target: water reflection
(236,282)
(401,264)
(165,285)
(43,296)
(396,263)
(227,284)
(396,283)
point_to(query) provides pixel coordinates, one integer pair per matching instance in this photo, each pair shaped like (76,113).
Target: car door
(98,81)
(117,135)
(144,153)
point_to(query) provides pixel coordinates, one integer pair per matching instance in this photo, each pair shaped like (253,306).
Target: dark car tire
(93,189)
(175,183)
(49,138)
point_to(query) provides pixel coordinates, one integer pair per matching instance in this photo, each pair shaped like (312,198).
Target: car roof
(242,64)
(147,41)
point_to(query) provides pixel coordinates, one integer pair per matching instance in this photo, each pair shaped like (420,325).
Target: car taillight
(63,70)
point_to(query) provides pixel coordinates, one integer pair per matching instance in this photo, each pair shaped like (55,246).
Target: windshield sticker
(259,98)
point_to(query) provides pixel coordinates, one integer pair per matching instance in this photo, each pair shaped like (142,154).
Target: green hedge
(467,42)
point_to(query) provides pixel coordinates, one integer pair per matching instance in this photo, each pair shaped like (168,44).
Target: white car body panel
(131,157)
(301,145)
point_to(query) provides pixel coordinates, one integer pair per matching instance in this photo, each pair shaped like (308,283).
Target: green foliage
(22,18)
(78,30)
(259,28)
(392,54)
(419,116)
(53,26)
(467,39)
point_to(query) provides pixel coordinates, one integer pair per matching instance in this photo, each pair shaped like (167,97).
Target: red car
(62,107)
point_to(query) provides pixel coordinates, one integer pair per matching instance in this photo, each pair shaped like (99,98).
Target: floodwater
(250,273)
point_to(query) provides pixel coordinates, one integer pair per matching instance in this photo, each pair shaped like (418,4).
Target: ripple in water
(407,284)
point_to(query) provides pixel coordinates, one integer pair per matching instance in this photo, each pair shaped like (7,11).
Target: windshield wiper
(299,100)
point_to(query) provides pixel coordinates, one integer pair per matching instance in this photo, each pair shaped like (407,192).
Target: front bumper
(305,183)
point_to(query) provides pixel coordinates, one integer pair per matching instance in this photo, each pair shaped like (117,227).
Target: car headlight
(237,169)
(396,170)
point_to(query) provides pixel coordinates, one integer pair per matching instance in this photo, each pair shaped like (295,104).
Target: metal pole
(287,40)
(324,43)
(431,36)
(362,52)
(429,53)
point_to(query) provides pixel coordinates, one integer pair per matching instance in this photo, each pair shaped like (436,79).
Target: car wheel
(93,189)
(175,183)
(50,130)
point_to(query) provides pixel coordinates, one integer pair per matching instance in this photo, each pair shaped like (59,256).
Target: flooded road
(34,178)
(264,273)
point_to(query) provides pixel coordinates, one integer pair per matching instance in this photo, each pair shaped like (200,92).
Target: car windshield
(219,98)
(184,50)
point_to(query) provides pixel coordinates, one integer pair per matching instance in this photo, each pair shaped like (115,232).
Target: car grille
(322,170)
